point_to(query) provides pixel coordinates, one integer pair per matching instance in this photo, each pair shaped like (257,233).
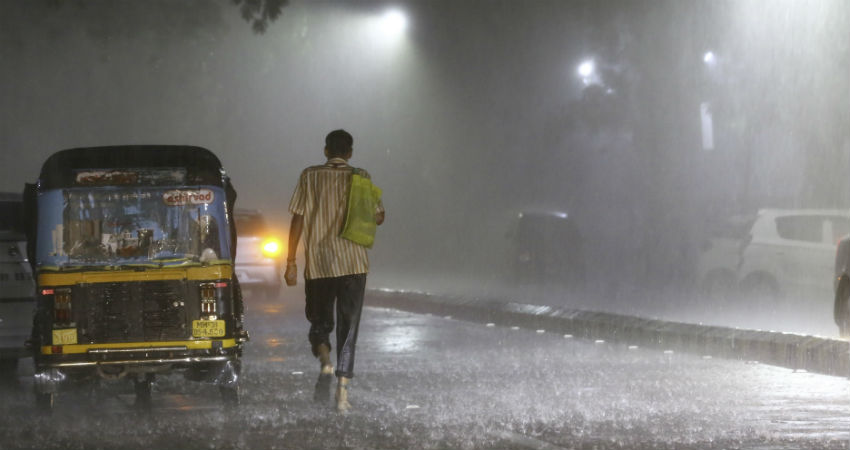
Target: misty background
(475,112)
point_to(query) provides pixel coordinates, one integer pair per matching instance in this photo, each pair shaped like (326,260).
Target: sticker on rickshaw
(182,197)
(65,336)
(106,177)
(207,328)
(126,177)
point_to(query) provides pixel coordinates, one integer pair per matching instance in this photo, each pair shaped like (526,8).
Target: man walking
(336,268)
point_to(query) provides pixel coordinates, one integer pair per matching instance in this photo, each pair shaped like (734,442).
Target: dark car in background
(547,249)
(17,289)
(259,253)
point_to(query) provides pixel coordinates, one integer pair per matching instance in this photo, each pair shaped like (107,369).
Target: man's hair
(338,143)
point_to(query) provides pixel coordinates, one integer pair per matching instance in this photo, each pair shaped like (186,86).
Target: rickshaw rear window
(132,225)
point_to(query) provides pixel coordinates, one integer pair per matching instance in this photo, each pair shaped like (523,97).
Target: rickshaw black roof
(202,166)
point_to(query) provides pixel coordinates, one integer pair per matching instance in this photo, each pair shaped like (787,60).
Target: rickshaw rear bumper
(218,366)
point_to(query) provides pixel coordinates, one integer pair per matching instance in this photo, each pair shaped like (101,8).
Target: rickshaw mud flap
(48,381)
(222,374)
(229,375)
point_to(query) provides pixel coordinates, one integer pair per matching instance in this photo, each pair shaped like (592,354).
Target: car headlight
(272,248)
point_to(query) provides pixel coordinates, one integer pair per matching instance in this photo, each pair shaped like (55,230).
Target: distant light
(585,69)
(709,58)
(271,248)
(394,22)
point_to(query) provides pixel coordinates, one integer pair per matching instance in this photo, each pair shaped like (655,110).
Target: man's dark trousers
(347,292)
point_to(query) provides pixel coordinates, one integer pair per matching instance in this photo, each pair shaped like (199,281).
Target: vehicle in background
(720,257)
(547,248)
(841,284)
(17,289)
(259,253)
(133,269)
(791,251)
(11,212)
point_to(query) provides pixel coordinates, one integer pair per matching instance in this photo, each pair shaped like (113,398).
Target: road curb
(794,351)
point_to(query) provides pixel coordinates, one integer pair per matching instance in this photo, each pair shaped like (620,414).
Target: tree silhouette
(259,13)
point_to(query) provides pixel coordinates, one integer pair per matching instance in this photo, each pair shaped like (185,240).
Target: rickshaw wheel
(44,402)
(143,391)
(229,395)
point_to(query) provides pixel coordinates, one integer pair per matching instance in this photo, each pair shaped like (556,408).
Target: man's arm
(295,228)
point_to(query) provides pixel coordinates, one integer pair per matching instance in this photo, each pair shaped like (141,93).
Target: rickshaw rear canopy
(201,166)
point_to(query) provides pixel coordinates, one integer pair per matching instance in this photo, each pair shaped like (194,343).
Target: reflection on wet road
(434,382)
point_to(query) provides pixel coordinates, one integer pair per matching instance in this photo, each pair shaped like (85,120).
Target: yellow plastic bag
(360,225)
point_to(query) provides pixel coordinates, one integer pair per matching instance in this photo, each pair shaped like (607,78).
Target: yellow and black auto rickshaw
(133,248)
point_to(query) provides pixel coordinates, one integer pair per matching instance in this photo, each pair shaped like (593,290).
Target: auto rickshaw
(132,249)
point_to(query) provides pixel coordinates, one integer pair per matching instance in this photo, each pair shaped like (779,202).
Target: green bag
(360,225)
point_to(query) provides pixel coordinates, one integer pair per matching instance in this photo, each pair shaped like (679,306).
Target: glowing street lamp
(586,69)
(588,73)
(393,22)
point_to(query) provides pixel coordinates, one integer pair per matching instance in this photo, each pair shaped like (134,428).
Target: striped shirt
(321,196)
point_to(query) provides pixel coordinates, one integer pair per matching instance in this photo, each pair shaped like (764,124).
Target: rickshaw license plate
(67,336)
(207,328)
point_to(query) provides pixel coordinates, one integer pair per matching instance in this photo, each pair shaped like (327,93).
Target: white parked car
(792,251)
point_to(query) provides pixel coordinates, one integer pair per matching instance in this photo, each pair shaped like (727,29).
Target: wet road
(435,382)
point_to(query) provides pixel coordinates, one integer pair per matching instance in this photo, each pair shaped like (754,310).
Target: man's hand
(291,274)
(295,226)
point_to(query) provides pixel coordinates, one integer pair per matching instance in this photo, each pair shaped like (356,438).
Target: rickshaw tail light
(208,299)
(61,316)
(62,306)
